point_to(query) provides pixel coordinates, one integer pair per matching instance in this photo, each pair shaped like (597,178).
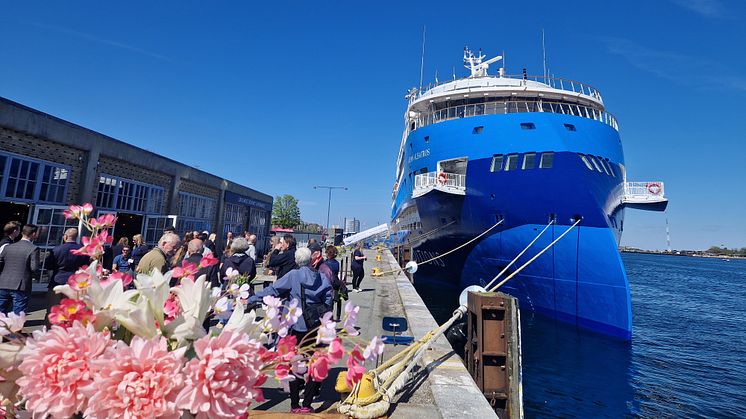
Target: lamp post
(329,203)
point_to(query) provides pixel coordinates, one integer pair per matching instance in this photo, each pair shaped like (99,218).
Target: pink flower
(188,270)
(77,211)
(350,319)
(172,308)
(141,380)
(374,349)
(355,370)
(92,246)
(56,368)
(87,208)
(104,221)
(286,347)
(327,330)
(115,276)
(336,351)
(208,261)
(81,280)
(69,312)
(224,378)
(282,372)
(318,367)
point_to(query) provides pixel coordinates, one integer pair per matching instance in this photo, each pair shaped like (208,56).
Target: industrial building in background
(352,226)
(47,163)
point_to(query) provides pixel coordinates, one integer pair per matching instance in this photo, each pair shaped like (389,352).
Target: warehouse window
(128,195)
(196,212)
(32,180)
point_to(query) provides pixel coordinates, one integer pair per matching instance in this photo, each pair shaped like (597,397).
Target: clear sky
(282,96)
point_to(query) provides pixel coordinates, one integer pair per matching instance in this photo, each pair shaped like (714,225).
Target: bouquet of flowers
(143,352)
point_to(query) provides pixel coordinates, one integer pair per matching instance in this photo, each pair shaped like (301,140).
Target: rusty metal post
(493,350)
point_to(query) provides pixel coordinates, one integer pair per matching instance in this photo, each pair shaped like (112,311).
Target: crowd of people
(310,275)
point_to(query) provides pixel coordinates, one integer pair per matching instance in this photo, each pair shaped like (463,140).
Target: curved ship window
(585,160)
(611,168)
(595,163)
(497,163)
(528,125)
(427,139)
(477,130)
(570,127)
(529,161)
(547,160)
(603,165)
(511,163)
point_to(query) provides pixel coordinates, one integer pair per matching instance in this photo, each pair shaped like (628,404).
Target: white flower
(11,323)
(223,308)
(241,322)
(184,329)
(140,320)
(155,289)
(327,331)
(271,305)
(109,301)
(231,273)
(194,297)
(350,319)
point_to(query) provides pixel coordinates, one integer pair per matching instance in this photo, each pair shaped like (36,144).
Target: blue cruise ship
(527,151)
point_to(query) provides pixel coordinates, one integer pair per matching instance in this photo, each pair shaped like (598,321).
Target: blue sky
(288,95)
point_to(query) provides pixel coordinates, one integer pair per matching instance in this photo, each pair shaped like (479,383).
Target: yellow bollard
(365,390)
(378,258)
(376,272)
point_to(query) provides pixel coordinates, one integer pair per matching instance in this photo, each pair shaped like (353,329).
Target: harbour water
(687,356)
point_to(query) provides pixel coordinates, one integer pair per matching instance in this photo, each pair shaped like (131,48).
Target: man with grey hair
(239,260)
(158,257)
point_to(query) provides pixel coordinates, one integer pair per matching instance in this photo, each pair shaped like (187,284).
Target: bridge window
(511,163)
(427,139)
(611,168)
(546,161)
(528,125)
(497,163)
(570,127)
(529,161)
(586,161)
(477,130)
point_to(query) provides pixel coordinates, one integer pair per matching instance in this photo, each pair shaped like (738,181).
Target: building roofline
(21,118)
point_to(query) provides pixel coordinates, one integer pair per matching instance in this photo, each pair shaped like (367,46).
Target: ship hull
(581,279)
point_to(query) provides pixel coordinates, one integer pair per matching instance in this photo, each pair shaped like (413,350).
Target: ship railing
(644,191)
(507,107)
(453,183)
(553,82)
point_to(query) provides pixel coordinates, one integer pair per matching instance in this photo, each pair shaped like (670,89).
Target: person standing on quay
(11,231)
(282,259)
(158,257)
(18,262)
(64,263)
(357,267)
(252,247)
(138,251)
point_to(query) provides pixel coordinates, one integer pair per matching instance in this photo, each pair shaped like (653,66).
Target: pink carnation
(137,381)
(224,378)
(56,368)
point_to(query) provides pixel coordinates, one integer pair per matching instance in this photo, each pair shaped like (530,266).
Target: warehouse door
(128,225)
(52,225)
(10,211)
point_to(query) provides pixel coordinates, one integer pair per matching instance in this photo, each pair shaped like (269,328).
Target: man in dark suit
(63,263)
(10,232)
(195,249)
(18,262)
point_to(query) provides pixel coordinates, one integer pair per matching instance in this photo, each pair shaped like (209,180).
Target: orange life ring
(654,188)
(442,178)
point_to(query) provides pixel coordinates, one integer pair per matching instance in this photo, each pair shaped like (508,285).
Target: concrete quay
(440,388)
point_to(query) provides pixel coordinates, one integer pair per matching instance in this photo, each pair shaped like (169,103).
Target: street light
(329,204)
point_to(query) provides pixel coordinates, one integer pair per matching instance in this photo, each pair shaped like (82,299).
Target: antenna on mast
(422,60)
(668,237)
(544,51)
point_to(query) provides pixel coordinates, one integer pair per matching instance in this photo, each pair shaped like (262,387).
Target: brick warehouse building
(47,163)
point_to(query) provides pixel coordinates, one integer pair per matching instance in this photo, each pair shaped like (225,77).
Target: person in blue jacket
(318,290)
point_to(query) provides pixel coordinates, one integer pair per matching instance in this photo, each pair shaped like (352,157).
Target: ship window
(595,163)
(511,163)
(497,163)
(611,168)
(570,127)
(585,160)
(603,165)
(528,125)
(477,130)
(427,139)
(547,160)
(529,161)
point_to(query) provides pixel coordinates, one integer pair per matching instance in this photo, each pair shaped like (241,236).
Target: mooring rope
(391,376)
(519,255)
